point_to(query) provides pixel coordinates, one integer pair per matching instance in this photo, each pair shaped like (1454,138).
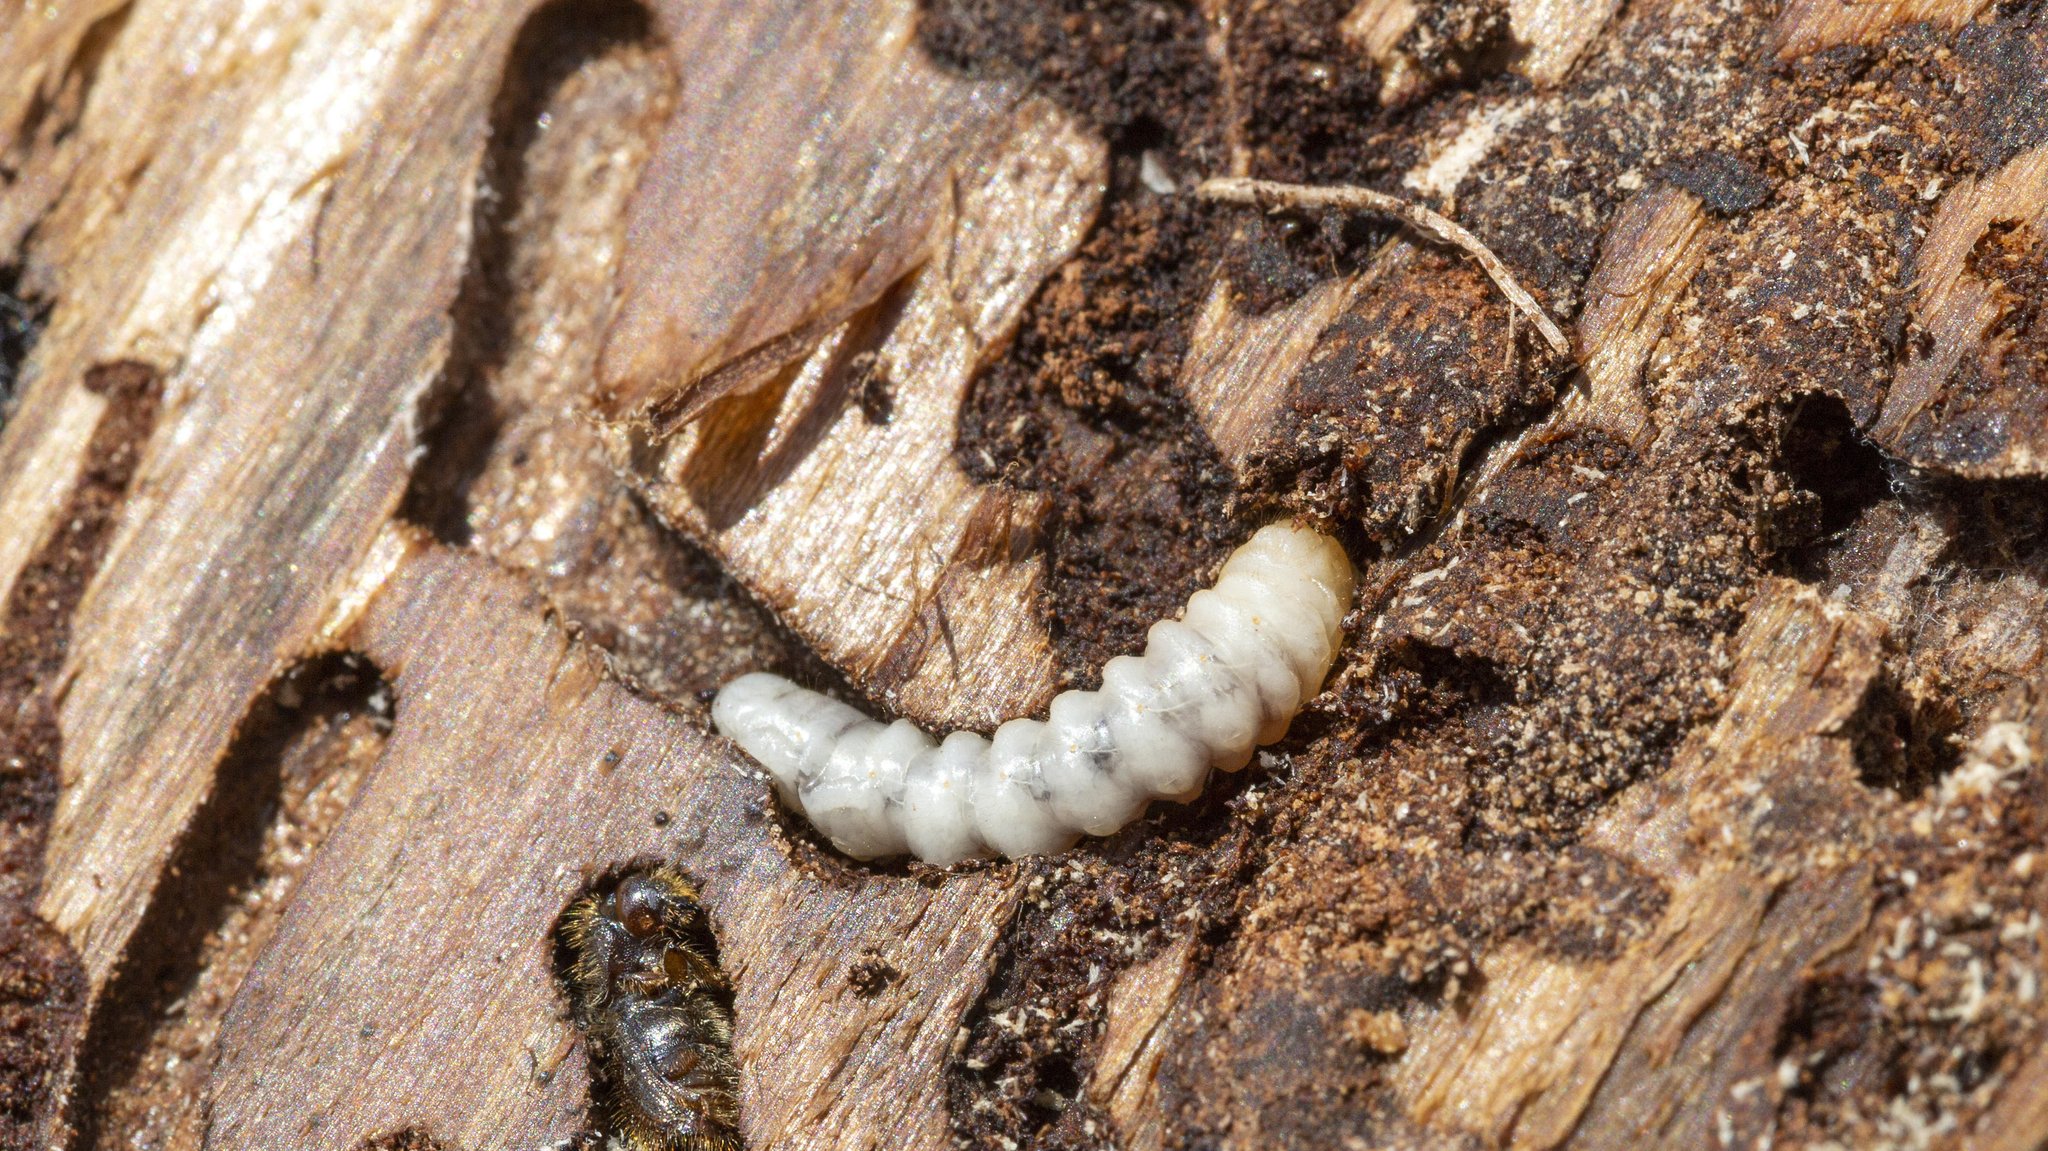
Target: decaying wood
(1125,1082)
(1524,1063)
(1648,260)
(540,402)
(1237,373)
(754,439)
(412,984)
(1805,27)
(1269,195)
(223,564)
(1926,417)
(1554,33)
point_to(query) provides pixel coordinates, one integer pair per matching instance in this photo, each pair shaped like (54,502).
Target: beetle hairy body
(657,1013)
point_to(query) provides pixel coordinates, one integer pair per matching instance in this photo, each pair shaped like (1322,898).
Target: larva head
(790,730)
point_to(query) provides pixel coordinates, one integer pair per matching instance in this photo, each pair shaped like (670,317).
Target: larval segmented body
(1225,677)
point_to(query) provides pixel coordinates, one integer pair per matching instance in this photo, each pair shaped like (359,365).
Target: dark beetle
(657,1013)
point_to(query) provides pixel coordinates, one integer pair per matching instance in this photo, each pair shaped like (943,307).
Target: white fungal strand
(1225,677)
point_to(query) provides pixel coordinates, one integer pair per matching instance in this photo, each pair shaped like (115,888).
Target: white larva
(1225,677)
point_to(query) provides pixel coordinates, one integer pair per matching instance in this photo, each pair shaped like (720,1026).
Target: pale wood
(350,229)
(1646,263)
(1956,309)
(411,983)
(49,57)
(1556,32)
(1553,33)
(314,275)
(1134,1038)
(1805,27)
(1240,368)
(1377,28)
(867,537)
(37,488)
(1449,161)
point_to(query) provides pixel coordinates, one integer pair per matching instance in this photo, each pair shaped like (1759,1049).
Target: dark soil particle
(871,975)
(1727,185)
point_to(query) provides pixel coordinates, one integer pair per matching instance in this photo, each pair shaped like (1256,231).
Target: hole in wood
(1903,740)
(22,315)
(302,751)
(42,986)
(1835,476)
(639,962)
(584,81)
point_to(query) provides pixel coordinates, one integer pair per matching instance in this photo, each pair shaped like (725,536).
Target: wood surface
(763,215)
(411,983)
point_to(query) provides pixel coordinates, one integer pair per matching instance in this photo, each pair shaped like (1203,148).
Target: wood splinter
(1271,195)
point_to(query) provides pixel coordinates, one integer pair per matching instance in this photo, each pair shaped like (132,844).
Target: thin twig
(1270,195)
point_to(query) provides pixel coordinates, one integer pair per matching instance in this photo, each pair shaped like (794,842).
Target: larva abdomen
(1211,686)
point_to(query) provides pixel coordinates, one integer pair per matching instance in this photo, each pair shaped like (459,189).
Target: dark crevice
(509,469)
(22,317)
(55,109)
(1833,474)
(410,1139)
(1454,681)
(1902,741)
(42,985)
(2013,514)
(637,959)
(1827,1038)
(465,414)
(246,843)
(1084,405)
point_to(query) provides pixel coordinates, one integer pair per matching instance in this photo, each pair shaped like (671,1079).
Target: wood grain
(412,983)
(1240,369)
(1930,416)
(1640,1047)
(278,209)
(1646,262)
(1125,1078)
(1804,27)
(349,230)
(50,56)
(865,536)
